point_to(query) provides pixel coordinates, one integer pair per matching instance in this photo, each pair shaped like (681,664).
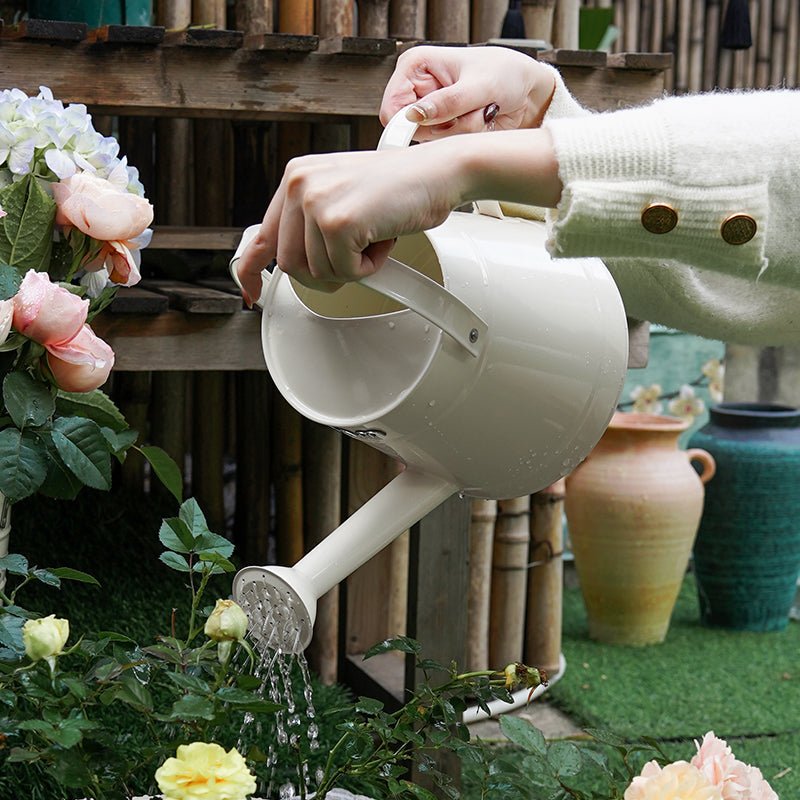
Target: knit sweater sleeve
(708,157)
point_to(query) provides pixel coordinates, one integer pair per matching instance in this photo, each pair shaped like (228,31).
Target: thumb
(444,105)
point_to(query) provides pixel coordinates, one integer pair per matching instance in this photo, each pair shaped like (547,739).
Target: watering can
(485,367)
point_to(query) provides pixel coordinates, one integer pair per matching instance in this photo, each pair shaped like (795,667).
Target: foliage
(68,723)
(58,431)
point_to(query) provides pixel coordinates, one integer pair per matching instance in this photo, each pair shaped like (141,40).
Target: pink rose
(46,312)
(738,781)
(82,364)
(99,209)
(120,260)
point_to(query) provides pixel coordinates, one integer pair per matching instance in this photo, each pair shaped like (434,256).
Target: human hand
(334,217)
(451,86)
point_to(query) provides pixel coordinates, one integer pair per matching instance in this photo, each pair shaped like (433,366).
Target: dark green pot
(94,12)
(747,551)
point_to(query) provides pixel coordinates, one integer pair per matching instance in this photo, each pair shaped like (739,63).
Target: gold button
(659,218)
(738,229)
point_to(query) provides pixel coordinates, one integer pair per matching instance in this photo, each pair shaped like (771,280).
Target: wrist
(514,166)
(543,87)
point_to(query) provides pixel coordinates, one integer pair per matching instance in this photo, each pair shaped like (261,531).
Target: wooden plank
(284,42)
(358,46)
(654,61)
(179,341)
(250,84)
(195,299)
(195,237)
(204,37)
(136,300)
(127,34)
(574,58)
(47,30)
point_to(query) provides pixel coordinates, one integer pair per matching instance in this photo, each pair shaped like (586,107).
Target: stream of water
(274,639)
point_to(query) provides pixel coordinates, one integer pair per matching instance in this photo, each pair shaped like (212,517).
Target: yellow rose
(227,622)
(205,771)
(45,638)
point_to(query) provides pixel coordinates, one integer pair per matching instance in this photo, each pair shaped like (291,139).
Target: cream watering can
(484,366)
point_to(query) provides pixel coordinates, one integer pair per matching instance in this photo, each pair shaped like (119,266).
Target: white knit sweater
(707,156)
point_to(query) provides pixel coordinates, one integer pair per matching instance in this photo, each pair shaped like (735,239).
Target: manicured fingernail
(246,297)
(418,113)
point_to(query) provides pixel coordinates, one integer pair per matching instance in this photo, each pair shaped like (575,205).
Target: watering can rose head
(202,771)
(44,638)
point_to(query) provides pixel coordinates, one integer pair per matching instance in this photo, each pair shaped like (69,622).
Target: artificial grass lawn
(744,686)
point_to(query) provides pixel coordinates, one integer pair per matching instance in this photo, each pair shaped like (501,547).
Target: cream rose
(46,312)
(6,318)
(82,364)
(100,209)
(44,638)
(227,622)
(679,780)
(202,771)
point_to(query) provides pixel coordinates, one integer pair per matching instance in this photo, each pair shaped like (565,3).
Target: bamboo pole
(682,44)
(645,30)
(322,511)
(545,579)
(448,20)
(669,17)
(630,33)
(792,49)
(481,543)
(656,41)
(509,581)
(132,395)
(251,521)
(335,18)
(696,44)
(209,12)
(711,53)
(175,14)
(538,17)
(487,19)
(253,16)
(751,54)
(287,469)
(780,14)
(373,18)
(763,45)
(167,426)
(566,25)
(407,19)
(296,16)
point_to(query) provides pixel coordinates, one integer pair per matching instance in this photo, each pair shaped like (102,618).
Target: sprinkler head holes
(279,619)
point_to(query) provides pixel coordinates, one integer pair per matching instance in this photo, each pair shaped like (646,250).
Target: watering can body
(484,366)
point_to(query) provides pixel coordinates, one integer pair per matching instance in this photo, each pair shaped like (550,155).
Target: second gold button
(659,218)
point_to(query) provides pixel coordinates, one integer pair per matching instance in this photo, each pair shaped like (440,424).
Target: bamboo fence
(295,481)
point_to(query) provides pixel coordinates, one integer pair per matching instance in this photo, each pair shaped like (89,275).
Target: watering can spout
(281,602)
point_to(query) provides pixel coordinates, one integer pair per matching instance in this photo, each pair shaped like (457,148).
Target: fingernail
(418,113)
(246,297)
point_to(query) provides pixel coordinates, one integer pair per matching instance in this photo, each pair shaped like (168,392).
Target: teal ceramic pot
(747,551)
(94,12)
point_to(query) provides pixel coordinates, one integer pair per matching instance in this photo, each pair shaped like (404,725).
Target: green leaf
(18,755)
(189,682)
(213,544)
(15,564)
(95,405)
(27,400)
(26,232)
(522,733)
(175,561)
(175,534)
(10,280)
(68,574)
(38,725)
(220,563)
(23,464)
(119,442)
(191,513)
(132,692)
(11,632)
(66,737)
(402,644)
(47,577)
(368,705)
(76,687)
(565,758)
(60,483)
(192,707)
(166,469)
(247,701)
(84,450)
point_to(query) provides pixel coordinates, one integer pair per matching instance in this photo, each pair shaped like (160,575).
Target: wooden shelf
(213,74)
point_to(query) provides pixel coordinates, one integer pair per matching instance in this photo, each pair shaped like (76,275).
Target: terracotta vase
(633,509)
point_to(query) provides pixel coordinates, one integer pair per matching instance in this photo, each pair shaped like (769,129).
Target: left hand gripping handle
(247,236)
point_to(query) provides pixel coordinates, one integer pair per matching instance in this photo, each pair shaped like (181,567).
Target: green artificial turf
(744,686)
